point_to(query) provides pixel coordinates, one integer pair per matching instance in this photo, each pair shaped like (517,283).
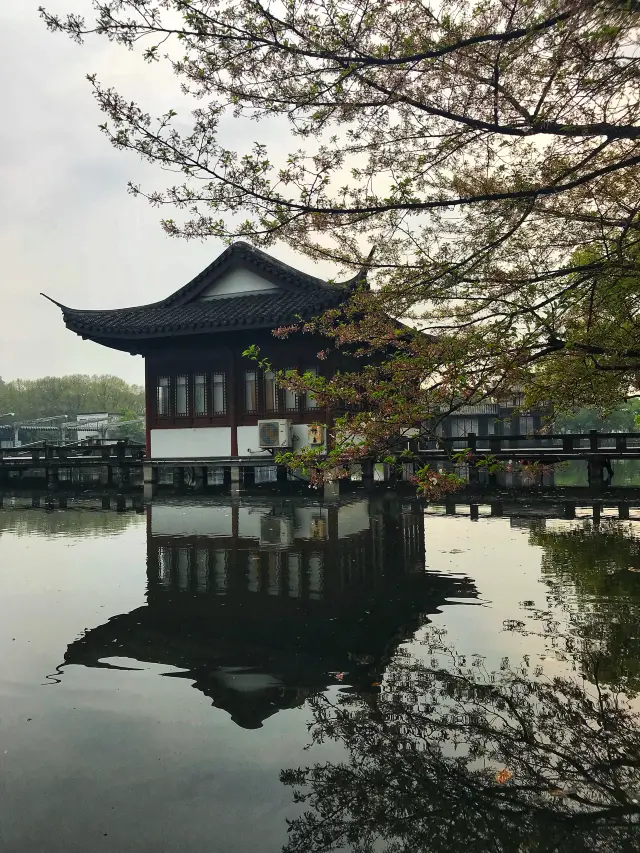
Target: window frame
(296,396)
(213,412)
(205,387)
(167,388)
(277,407)
(256,382)
(305,400)
(177,413)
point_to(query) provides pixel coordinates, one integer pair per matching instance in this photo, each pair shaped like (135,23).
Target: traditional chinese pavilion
(204,400)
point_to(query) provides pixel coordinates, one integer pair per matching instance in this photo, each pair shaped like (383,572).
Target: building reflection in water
(263,604)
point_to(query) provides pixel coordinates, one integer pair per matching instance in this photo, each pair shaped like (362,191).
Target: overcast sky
(68,227)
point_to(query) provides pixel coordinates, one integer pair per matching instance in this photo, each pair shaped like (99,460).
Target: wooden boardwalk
(547,448)
(118,460)
(112,460)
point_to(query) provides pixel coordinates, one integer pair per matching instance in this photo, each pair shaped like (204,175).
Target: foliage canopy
(488,151)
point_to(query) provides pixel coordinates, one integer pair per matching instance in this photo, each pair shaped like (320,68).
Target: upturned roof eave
(102,335)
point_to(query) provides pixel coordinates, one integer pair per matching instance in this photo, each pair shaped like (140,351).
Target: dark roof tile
(251,311)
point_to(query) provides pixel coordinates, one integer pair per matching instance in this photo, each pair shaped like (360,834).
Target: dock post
(568,510)
(496,508)
(474,512)
(450,506)
(178,478)
(282,475)
(235,479)
(149,473)
(106,502)
(121,503)
(595,473)
(597,513)
(249,476)
(53,475)
(63,502)
(623,512)
(367,474)
(199,477)
(226,476)
(106,475)
(149,481)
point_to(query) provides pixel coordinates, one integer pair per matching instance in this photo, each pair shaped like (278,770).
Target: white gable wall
(235,283)
(191,443)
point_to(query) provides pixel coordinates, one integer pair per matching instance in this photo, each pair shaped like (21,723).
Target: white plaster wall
(248,441)
(185,520)
(190,442)
(249,519)
(236,282)
(353,518)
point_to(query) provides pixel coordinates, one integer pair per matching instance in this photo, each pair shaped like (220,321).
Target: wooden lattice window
(310,401)
(200,394)
(163,396)
(290,397)
(270,392)
(182,396)
(251,391)
(219,393)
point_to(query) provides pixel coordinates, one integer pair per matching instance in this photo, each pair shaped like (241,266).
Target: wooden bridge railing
(46,452)
(564,443)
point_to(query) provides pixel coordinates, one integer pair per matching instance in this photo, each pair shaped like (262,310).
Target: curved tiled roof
(298,296)
(252,310)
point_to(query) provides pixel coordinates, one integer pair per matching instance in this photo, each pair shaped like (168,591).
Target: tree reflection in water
(425,755)
(592,574)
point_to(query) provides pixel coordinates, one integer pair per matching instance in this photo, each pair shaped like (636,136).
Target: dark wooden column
(149,402)
(232,400)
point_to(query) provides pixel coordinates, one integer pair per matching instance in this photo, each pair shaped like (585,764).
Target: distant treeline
(77,393)
(69,395)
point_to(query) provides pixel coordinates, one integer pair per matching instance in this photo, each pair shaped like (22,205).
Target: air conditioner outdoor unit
(275,434)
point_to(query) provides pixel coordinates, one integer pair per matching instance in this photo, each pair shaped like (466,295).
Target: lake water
(260,675)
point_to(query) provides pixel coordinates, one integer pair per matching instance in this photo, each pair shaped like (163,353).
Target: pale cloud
(67,225)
